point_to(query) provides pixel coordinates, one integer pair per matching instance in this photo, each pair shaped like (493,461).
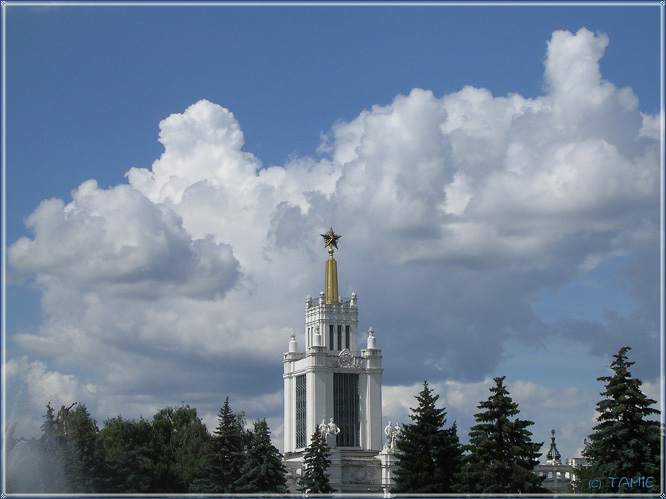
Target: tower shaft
(331,280)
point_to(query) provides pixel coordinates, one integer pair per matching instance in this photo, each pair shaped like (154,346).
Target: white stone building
(558,477)
(332,381)
(333,384)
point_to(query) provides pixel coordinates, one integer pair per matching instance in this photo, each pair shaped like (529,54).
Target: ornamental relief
(347,359)
(360,474)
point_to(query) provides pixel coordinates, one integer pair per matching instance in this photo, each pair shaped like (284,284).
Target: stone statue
(61,420)
(392,435)
(397,432)
(388,431)
(323,429)
(332,429)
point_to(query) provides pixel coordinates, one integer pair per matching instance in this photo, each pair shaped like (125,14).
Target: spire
(553,456)
(331,279)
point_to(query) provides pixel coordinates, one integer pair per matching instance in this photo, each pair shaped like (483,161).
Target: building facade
(334,385)
(558,477)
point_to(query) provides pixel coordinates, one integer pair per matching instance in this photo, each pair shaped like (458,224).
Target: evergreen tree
(228,445)
(429,455)
(220,470)
(314,479)
(624,443)
(53,453)
(502,457)
(84,463)
(263,471)
(204,475)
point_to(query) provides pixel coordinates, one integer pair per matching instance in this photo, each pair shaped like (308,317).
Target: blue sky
(460,281)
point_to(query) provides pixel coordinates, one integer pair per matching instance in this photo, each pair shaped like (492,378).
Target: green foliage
(204,481)
(129,455)
(172,454)
(228,445)
(263,471)
(580,485)
(69,454)
(220,469)
(179,441)
(53,451)
(84,463)
(314,479)
(624,442)
(501,457)
(428,454)
(189,441)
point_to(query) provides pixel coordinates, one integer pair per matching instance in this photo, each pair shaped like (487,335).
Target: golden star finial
(331,239)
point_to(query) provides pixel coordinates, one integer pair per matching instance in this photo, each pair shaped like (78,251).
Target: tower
(557,477)
(553,456)
(332,381)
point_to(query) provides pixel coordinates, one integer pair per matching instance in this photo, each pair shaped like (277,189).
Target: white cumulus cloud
(184,283)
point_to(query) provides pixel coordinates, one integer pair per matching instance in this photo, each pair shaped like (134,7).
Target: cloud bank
(183,283)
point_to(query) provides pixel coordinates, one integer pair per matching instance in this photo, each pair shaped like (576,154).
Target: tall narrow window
(301,412)
(331,338)
(347,337)
(346,407)
(339,337)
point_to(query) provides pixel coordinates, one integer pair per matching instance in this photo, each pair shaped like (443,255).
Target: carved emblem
(346,359)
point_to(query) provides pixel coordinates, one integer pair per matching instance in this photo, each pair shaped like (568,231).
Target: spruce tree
(428,454)
(624,443)
(314,479)
(263,471)
(502,457)
(220,471)
(53,449)
(84,463)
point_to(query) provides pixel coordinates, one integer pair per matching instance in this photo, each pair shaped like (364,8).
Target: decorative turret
(293,345)
(553,456)
(372,341)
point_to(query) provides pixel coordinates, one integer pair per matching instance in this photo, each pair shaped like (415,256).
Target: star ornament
(331,239)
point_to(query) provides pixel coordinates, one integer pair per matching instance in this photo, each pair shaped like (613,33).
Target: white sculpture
(392,434)
(323,429)
(388,431)
(332,429)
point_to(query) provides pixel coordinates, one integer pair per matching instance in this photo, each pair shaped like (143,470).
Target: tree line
(501,457)
(174,453)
